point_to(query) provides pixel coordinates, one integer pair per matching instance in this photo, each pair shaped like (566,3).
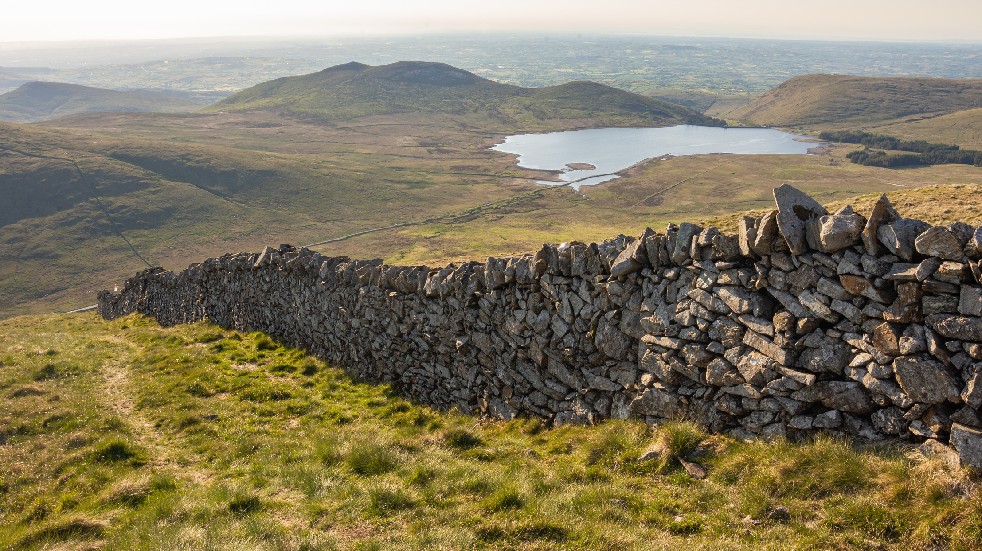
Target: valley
(117,156)
(407,186)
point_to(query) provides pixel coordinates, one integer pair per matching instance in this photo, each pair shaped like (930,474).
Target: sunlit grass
(193,437)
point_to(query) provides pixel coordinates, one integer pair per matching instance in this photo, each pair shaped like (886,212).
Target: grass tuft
(118,451)
(385,500)
(503,499)
(244,503)
(461,439)
(371,458)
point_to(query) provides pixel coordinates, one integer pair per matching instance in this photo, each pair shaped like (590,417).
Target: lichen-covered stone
(730,331)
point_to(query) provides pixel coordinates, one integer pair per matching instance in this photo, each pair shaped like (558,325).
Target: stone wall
(806,321)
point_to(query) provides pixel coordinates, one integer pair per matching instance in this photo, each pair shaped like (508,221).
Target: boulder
(747,234)
(925,380)
(631,259)
(899,236)
(964,328)
(611,341)
(763,243)
(847,396)
(968,443)
(796,211)
(974,247)
(840,230)
(883,213)
(970,300)
(683,242)
(940,242)
(907,307)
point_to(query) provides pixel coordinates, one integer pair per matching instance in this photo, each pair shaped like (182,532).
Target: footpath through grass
(125,435)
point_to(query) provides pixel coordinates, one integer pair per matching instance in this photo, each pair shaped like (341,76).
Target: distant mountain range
(37,101)
(357,90)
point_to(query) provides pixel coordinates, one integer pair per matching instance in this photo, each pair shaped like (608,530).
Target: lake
(588,157)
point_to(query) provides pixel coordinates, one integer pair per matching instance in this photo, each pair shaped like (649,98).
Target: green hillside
(356,90)
(88,195)
(35,101)
(125,435)
(962,128)
(850,101)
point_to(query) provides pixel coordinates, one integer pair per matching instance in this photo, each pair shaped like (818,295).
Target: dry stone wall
(805,321)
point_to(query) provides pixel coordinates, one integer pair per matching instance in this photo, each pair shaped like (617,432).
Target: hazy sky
(832,19)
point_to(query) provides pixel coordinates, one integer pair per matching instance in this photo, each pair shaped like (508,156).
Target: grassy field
(839,101)
(180,188)
(125,435)
(712,189)
(963,129)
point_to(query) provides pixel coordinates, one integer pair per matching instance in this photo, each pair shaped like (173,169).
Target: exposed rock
(830,356)
(747,234)
(657,402)
(737,299)
(925,380)
(907,307)
(684,325)
(683,242)
(840,230)
(611,341)
(940,242)
(860,286)
(972,395)
(899,236)
(968,443)
(965,328)
(767,347)
(720,372)
(890,421)
(756,368)
(767,233)
(883,213)
(847,396)
(974,247)
(831,419)
(970,301)
(630,259)
(796,211)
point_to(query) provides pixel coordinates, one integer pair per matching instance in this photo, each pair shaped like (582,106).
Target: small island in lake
(580,166)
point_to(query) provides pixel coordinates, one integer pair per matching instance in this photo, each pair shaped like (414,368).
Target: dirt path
(118,394)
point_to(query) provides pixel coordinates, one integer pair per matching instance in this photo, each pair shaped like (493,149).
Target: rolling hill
(820,101)
(36,101)
(962,128)
(357,90)
(411,180)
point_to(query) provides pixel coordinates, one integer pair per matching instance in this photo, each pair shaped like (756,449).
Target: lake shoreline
(593,156)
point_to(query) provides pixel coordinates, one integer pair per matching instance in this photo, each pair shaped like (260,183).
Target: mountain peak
(349,66)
